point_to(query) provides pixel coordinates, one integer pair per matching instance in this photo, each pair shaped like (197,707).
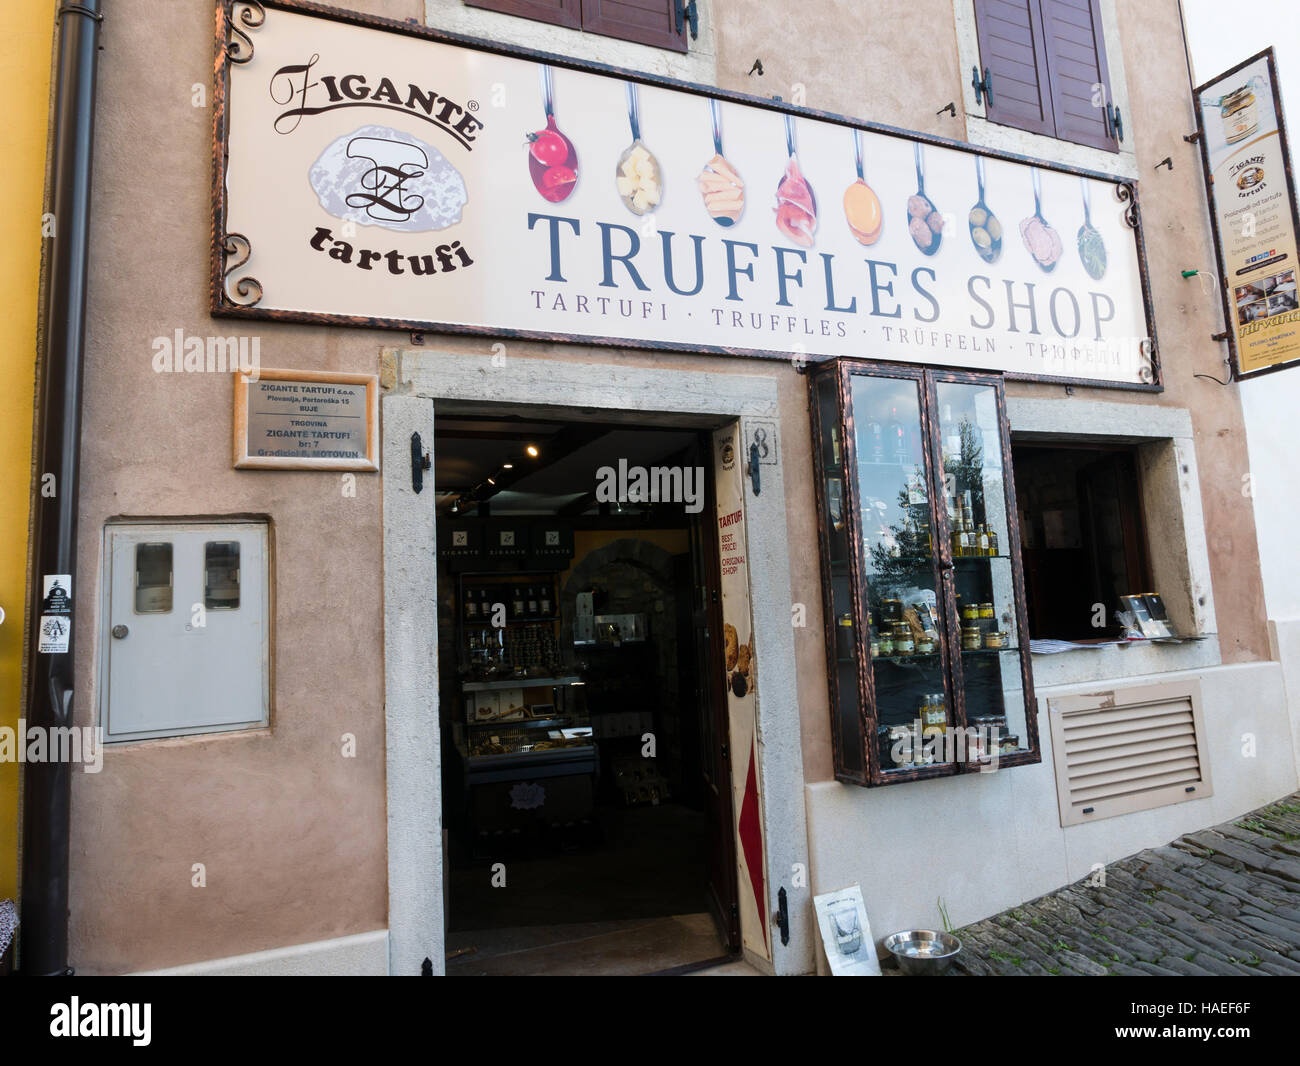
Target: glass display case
(524,712)
(923,589)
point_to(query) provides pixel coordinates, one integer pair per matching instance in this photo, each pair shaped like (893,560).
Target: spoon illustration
(985,229)
(796,206)
(924,223)
(1092,249)
(719,184)
(637,172)
(861,204)
(552,159)
(1042,242)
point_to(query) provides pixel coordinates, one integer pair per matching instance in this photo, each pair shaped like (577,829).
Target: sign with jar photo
(1253,212)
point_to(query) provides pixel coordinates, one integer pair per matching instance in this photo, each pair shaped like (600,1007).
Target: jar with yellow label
(1240,114)
(933,714)
(995,640)
(844,643)
(970,612)
(986,611)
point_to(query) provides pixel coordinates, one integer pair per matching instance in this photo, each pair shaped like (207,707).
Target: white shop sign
(380,174)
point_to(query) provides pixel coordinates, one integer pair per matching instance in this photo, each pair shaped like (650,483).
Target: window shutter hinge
(1114,123)
(687,13)
(983,86)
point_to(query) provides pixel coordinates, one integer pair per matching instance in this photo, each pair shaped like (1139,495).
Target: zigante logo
(293,85)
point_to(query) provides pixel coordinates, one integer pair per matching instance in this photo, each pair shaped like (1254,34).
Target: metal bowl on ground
(923,952)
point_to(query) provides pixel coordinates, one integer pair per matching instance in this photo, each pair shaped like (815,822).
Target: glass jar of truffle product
(933,714)
(903,642)
(971,638)
(1240,113)
(844,637)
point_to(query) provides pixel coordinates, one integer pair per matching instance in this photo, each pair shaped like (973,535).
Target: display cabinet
(524,710)
(923,590)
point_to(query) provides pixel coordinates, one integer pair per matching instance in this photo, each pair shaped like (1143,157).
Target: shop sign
(304,419)
(1253,211)
(376,173)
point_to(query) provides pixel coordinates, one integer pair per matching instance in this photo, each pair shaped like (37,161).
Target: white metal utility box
(185,644)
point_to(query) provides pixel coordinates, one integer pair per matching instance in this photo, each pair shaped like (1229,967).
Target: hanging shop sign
(376,173)
(1253,210)
(306,420)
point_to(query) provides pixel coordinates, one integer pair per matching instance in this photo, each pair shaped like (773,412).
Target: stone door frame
(413,380)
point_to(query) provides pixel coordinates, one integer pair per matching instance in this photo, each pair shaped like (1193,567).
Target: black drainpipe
(43,947)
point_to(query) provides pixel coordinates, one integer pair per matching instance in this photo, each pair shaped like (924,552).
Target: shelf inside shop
(520,723)
(518,682)
(902,658)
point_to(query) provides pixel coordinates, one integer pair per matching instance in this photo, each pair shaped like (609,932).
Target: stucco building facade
(313,841)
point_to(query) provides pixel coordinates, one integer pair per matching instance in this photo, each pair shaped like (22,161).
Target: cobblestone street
(1222,901)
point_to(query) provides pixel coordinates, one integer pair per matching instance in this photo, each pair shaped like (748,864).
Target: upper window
(1043,70)
(652,22)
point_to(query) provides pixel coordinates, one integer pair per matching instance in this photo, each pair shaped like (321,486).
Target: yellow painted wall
(26,37)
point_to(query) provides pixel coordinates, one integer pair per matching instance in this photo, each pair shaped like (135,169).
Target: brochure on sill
(1055,647)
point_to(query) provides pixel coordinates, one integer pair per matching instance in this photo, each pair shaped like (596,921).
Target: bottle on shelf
(896,438)
(951,444)
(544,601)
(517,603)
(470,606)
(982,540)
(532,601)
(875,440)
(835,445)
(958,536)
(993,542)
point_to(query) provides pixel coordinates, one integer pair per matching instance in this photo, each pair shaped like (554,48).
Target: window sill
(1116,662)
(696,64)
(1121,164)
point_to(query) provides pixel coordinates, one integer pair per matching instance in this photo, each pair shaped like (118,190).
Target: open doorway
(585,775)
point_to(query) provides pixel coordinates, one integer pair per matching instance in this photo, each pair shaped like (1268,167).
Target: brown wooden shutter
(1010,35)
(1076,64)
(557,12)
(652,22)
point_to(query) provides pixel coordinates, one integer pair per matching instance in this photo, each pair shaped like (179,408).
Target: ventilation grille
(1127,750)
